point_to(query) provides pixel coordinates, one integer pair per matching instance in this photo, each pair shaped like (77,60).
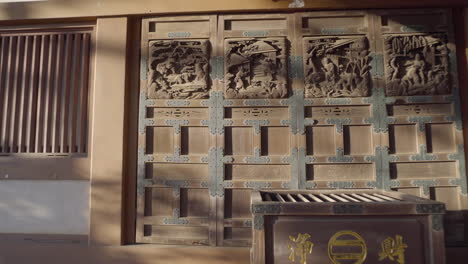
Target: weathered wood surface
(94,8)
(312,100)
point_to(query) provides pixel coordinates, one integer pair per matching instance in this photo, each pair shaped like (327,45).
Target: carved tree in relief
(256,68)
(178,69)
(337,67)
(417,65)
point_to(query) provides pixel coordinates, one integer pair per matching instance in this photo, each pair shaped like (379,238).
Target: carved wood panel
(416,64)
(176,203)
(258,140)
(256,68)
(337,66)
(338,133)
(316,100)
(179,69)
(424,140)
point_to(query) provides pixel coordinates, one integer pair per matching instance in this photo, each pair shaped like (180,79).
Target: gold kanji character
(301,247)
(393,249)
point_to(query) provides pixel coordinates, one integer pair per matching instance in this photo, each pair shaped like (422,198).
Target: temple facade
(135,132)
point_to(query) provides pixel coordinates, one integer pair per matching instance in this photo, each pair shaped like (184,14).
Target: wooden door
(177,142)
(259,142)
(340,127)
(316,100)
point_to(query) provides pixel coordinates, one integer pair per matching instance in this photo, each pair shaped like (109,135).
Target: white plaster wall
(44,207)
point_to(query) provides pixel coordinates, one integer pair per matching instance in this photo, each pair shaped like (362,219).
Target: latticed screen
(44,91)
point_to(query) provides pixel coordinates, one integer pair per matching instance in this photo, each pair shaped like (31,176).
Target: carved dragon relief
(256,68)
(337,67)
(178,69)
(417,65)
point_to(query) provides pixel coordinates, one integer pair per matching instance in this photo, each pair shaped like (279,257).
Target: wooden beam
(98,8)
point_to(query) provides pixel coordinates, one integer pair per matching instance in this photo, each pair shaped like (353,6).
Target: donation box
(346,227)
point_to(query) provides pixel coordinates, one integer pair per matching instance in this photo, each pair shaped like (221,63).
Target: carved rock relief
(178,69)
(417,65)
(256,68)
(337,67)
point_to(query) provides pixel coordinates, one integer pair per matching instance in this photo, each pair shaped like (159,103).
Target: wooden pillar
(463,73)
(461,31)
(107,162)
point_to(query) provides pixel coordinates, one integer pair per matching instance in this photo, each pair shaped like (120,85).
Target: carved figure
(337,67)
(239,79)
(414,74)
(255,68)
(417,65)
(178,69)
(329,69)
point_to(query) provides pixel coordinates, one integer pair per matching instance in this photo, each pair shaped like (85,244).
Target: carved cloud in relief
(417,65)
(337,67)
(256,68)
(178,69)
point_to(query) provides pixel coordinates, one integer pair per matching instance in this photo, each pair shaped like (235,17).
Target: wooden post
(107,137)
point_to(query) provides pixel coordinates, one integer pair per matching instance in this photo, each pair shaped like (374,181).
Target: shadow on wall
(48,207)
(26,8)
(53,254)
(12,10)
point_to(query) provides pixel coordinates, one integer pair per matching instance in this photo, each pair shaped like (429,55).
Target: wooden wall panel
(316,100)
(441,138)
(334,52)
(160,140)
(238,141)
(423,104)
(447,195)
(176,203)
(414,170)
(342,172)
(319,142)
(403,138)
(422,97)
(358,140)
(255,50)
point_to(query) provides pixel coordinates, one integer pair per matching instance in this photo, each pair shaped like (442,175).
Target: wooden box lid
(341,202)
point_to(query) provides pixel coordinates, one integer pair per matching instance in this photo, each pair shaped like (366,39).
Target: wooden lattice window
(44,84)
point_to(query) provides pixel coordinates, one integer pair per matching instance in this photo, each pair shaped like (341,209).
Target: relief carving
(417,65)
(256,68)
(178,69)
(179,113)
(338,111)
(337,67)
(421,109)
